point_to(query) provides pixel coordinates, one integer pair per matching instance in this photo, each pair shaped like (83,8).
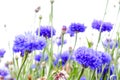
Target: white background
(19,16)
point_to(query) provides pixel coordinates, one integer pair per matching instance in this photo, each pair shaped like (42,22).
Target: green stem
(99,37)
(25,58)
(62,43)
(93,75)
(81,73)
(75,41)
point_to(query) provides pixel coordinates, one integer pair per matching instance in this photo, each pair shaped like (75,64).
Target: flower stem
(25,58)
(99,37)
(75,41)
(81,73)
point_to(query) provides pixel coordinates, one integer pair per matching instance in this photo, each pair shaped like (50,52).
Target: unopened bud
(43,64)
(52,1)
(40,17)
(37,9)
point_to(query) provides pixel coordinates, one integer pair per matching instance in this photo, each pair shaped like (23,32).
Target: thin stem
(62,39)
(75,41)
(25,58)
(99,37)
(81,73)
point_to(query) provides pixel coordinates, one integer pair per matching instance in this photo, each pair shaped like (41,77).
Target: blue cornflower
(76,27)
(28,42)
(3,72)
(46,31)
(105,57)
(109,43)
(87,57)
(38,57)
(2,52)
(83,78)
(63,57)
(106,26)
(59,41)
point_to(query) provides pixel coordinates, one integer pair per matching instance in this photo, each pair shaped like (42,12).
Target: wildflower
(38,57)
(109,43)
(76,27)
(105,57)
(28,42)
(87,58)
(112,68)
(113,77)
(59,42)
(102,26)
(46,31)
(83,78)
(3,72)
(62,58)
(2,52)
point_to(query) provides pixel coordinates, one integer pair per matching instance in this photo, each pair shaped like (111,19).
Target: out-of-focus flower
(87,57)
(3,72)
(102,26)
(105,57)
(112,68)
(28,42)
(59,41)
(109,43)
(76,27)
(2,52)
(38,57)
(46,31)
(83,78)
(62,58)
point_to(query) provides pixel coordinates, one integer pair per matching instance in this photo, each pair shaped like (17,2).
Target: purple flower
(76,27)
(46,31)
(112,68)
(59,42)
(28,42)
(63,57)
(3,72)
(83,78)
(109,43)
(38,57)
(2,52)
(105,26)
(87,57)
(105,57)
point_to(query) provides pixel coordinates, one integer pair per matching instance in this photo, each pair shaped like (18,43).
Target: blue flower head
(28,42)
(109,43)
(38,57)
(2,52)
(3,72)
(83,78)
(76,27)
(46,31)
(63,57)
(59,42)
(105,26)
(87,57)
(105,57)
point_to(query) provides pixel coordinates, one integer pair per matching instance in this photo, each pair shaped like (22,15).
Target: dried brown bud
(29,77)
(37,9)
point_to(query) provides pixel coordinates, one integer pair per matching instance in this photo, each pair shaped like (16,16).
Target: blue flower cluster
(89,58)
(76,27)
(2,52)
(109,43)
(46,31)
(28,42)
(102,26)
(63,57)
